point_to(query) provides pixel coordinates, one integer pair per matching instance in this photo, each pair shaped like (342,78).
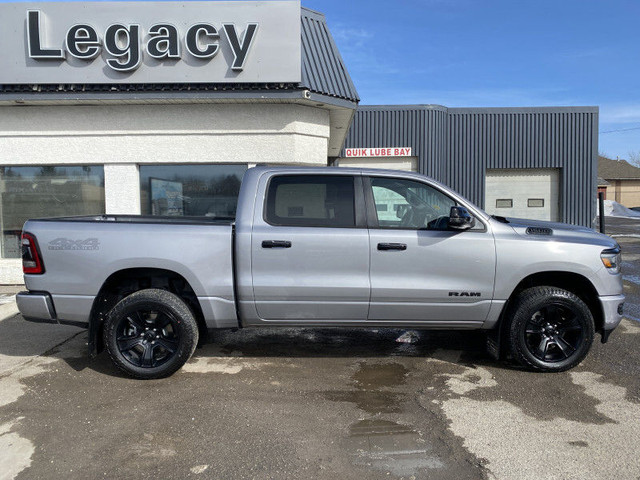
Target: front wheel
(150,334)
(550,329)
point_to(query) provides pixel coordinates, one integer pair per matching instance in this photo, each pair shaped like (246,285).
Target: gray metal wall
(457,145)
(323,70)
(423,128)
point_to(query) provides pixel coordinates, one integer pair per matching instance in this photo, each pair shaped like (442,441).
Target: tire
(150,334)
(549,329)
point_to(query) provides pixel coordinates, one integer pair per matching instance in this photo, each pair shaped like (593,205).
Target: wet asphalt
(322,403)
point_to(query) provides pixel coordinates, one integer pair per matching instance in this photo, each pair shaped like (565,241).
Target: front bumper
(612,306)
(36,307)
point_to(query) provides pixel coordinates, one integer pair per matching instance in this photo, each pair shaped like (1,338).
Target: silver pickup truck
(317,247)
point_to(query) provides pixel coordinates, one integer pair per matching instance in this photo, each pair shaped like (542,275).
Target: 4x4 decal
(69,244)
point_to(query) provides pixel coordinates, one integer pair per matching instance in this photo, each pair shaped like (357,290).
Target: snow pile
(614,209)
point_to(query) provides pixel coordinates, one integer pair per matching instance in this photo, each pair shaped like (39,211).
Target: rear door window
(311,201)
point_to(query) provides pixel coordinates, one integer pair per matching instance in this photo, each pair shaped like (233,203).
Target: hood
(556,231)
(518,223)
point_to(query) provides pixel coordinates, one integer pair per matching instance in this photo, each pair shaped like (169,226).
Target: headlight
(611,259)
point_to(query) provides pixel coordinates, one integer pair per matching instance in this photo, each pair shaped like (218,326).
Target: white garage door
(409,164)
(523,193)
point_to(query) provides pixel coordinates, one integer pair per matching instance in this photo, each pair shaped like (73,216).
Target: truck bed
(81,253)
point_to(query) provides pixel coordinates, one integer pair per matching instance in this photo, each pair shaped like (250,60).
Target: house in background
(602,186)
(622,181)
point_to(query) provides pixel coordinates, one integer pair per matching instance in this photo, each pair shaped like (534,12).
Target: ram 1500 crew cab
(317,247)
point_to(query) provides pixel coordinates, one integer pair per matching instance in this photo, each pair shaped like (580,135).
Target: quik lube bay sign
(150,42)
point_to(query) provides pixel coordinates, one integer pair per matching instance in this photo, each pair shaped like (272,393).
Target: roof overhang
(341,111)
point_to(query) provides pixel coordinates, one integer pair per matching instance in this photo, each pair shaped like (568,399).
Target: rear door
(421,270)
(310,250)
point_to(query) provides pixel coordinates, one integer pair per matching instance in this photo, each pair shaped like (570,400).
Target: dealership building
(124,108)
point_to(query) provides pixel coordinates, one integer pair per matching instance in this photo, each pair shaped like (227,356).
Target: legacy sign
(150,42)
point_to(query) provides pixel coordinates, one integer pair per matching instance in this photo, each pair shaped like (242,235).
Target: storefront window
(46,191)
(191,190)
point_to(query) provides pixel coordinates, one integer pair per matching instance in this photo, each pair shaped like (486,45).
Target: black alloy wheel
(554,333)
(548,329)
(148,338)
(150,333)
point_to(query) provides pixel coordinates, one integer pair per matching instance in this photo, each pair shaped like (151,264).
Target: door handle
(392,246)
(276,244)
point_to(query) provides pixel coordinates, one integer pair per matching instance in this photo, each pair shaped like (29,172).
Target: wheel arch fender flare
(126,281)
(570,281)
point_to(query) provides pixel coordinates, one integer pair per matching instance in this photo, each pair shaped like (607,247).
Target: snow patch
(614,209)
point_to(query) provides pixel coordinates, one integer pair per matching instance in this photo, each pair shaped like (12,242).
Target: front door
(310,250)
(420,269)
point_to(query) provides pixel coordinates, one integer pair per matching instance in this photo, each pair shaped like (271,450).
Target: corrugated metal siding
(456,146)
(497,139)
(323,70)
(423,128)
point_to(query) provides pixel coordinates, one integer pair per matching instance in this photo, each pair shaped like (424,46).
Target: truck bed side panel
(80,256)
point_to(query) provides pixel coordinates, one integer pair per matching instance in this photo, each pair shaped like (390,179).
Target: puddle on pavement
(315,342)
(377,443)
(368,401)
(632,278)
(380,376)
(372,384)
(390,447)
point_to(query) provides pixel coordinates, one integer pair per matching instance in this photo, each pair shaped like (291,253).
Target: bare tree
(634,158)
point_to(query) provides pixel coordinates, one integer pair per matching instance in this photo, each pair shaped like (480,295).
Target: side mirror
(460,219)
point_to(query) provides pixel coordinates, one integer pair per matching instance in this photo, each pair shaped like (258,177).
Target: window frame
(102,185)
(510,200)
(358,201)
(529,200)
(144,185)
(372,215)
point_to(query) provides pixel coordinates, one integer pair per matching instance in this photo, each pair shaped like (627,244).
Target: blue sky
(497,53)
(465,53)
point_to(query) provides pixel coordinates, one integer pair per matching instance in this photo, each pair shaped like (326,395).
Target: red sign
(379,152)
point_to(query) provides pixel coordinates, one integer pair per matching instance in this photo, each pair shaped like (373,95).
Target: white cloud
(351,37)
(618,114)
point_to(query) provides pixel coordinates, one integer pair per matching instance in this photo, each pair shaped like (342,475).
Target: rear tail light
(31,261)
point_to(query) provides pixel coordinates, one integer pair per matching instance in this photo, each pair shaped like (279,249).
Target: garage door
(523,193)
(409,164)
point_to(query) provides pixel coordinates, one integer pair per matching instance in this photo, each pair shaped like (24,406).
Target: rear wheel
(150,334)
(550,329)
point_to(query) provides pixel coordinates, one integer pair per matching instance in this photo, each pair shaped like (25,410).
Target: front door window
(407,204)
